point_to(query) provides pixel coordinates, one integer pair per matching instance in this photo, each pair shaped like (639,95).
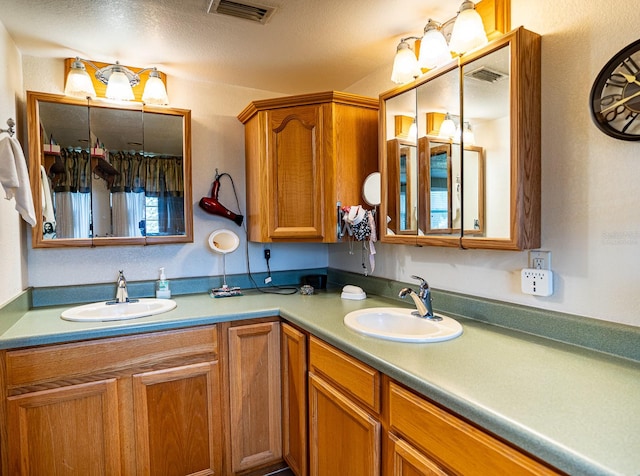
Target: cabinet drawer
(452,442)
(75,361)
(357,379)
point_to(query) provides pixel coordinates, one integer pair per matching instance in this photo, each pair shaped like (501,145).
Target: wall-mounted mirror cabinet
(108,174)
(475,124)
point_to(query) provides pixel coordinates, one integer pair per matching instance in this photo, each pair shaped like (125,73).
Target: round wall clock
(615,95)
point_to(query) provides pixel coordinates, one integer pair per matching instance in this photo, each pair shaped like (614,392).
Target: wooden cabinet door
(296,157)
(343,438)
(178,426)
(254,395)
(69,430)
(294,399)
(405,460)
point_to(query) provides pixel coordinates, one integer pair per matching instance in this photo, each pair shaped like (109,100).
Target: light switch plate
(538,282)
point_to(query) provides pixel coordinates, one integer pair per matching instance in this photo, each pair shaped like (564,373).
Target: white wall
(590,204)
(217,142)
(13,276)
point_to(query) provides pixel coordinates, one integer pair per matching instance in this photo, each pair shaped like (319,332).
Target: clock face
(615,95)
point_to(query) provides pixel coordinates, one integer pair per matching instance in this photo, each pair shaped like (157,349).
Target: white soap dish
(354,293)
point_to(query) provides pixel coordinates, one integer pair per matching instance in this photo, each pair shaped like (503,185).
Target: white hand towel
(47,202)
(15,179)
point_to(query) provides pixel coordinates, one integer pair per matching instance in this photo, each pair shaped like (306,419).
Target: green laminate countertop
(575,408)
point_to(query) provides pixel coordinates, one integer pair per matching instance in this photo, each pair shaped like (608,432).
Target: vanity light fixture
(433,47)
(413,130)
(468,33)
(468,136)
(78,82)
(119,80)
(465,133)
(405,64)
(447,128)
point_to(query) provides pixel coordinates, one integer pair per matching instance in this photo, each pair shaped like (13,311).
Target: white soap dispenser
(162,286)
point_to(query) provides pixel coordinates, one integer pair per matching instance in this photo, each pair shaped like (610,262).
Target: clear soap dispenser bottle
(162,286)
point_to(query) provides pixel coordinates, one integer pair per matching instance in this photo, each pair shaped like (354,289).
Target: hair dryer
(213,206)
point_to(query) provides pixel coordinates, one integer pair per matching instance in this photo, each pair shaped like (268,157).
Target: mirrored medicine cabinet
(105,173)
(460,160)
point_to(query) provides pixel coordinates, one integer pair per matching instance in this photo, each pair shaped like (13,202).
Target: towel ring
(11,123)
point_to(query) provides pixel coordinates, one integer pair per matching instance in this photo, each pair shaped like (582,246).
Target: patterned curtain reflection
(147,195)
(71,184)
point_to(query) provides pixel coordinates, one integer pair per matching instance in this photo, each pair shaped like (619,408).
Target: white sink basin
(399,324)
(101,311)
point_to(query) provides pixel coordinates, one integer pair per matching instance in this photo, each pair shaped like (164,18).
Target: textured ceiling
(307,45)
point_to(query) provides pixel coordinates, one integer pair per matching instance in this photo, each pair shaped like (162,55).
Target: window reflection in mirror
(118,179)
(106,173)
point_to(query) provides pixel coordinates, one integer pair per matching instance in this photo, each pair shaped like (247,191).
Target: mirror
(449,186)
(487,107)
(402,185)
(109,173)
(371,189)
(460,186)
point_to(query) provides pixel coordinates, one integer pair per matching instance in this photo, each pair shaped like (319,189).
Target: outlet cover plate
(538,282)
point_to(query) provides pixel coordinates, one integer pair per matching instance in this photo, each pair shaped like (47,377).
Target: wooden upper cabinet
(304,154)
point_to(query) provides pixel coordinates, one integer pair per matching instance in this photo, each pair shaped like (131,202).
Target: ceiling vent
(243,10)
(485,74)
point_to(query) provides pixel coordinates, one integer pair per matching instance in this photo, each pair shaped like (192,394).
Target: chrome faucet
(122,295)
(423,300)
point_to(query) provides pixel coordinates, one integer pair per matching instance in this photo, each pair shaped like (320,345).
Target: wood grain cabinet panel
(142,404)
(178,427)
(254,395)
(359,380)
(344,405)
(71,430)
(457,446)
(344,438)
(405,460)
(294,398)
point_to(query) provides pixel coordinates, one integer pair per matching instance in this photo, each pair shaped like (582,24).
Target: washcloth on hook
(15,179)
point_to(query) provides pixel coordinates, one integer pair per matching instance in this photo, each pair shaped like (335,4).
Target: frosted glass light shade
(468,30)
(155,91)
(447,128)
(119,87)
(405,65)
(79,82)
(468,137)
(433,49)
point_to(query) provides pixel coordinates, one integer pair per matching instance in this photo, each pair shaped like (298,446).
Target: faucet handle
(423,282)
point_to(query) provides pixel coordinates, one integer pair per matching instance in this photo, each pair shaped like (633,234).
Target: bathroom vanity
(210,376)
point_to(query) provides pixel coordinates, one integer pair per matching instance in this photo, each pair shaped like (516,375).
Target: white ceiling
(307,45)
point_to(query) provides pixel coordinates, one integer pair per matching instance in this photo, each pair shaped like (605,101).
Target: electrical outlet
(540,259)
(538,282)
(267,254)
